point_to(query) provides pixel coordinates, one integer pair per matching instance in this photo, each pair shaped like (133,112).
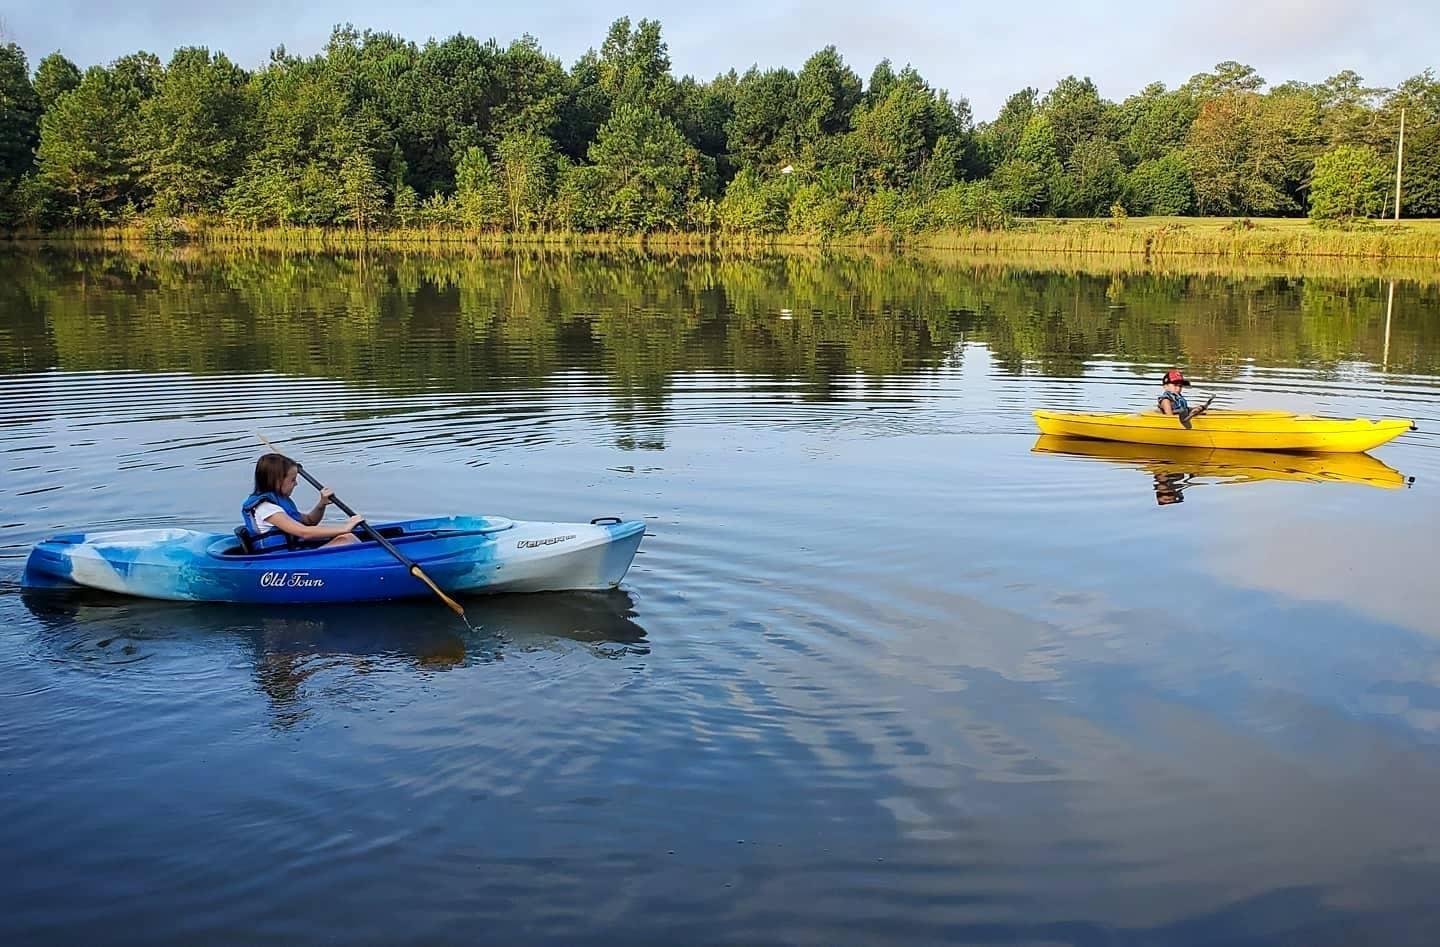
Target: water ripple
(881,672)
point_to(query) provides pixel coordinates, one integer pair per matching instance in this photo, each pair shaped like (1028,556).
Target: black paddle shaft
(389,546)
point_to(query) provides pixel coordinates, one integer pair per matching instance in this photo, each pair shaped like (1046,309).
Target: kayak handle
(606,521)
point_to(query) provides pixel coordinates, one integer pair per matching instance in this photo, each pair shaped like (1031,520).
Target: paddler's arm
(1167,407)
(285,524)
(317,514)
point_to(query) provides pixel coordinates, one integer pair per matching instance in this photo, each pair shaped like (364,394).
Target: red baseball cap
(1173,377)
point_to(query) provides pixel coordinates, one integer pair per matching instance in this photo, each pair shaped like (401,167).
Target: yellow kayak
(1231,466)
(1229,430)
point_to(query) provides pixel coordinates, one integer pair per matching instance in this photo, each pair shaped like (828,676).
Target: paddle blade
(418,573)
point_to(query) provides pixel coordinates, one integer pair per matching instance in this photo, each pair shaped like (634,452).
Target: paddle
(404,560)
(1185,416)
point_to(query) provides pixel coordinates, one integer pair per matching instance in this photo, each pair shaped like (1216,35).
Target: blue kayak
(462,554)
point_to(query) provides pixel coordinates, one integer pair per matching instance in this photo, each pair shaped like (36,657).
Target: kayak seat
(250,544)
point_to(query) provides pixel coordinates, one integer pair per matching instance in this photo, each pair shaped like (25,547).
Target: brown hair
(271,471)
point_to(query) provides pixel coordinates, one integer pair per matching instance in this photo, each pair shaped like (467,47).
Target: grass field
(1221,237)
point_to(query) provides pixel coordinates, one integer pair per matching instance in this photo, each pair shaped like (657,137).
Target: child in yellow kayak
(1172,400)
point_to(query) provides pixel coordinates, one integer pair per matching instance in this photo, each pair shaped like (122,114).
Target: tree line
(378,131)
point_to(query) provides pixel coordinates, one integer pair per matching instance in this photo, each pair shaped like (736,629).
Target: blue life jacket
(1177,401)
(274,538)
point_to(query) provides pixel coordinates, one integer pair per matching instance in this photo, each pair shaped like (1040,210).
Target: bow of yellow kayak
(1229,430)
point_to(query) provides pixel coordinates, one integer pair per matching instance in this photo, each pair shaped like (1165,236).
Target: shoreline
(1148,238)
(1013,251)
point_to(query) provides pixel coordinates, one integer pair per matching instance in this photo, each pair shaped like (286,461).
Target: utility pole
(1399,161)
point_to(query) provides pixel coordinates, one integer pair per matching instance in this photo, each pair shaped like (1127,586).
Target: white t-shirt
(263,512)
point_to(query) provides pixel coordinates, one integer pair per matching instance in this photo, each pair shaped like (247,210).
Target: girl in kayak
(1172,400)
(269,510)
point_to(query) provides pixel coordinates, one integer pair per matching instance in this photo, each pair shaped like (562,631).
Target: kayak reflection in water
(1173,470)
(1170,487)
(301,659)
(1172,398)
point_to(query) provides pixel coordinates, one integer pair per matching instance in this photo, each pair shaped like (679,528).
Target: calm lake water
(883,672)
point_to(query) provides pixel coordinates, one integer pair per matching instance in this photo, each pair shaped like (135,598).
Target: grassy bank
(1152,239)
(1210,237)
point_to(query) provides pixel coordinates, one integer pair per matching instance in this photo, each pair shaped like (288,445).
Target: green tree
(1160,186)
(525,165)
(447,92)
(941,168)
(760,132)
(259,196)
(895,132)
(529,90)
(754,204)
(703,112)
(647,173)
(86,155)
(479,195)
(823,204)
(362,193)
(54,76)
(997,141)
(406,205)
(826,93)
(193,131)
(1092,178)
(1420,184)
(882,77)
(1419,96)
(1154,123)
(1076,114)
(137,76)
(634,66)
(585,109)
(579,201)
(442,99)
(1227,78)
(307,128)
(19,119)
(1247,153)
(1349,182)
(970,205)
(372,69)
(437,210)
(1027,179)
(1349,111)
(1420,93)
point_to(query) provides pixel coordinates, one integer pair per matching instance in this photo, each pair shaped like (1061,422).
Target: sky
(982,52)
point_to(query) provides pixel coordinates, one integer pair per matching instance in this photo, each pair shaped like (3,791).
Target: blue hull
(462,554)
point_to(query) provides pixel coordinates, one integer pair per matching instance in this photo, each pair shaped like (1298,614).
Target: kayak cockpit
(399,534)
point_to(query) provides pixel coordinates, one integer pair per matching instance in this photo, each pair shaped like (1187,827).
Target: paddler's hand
(353,523)
(326,496)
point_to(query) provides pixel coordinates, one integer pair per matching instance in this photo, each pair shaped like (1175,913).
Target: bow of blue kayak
(462,554)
